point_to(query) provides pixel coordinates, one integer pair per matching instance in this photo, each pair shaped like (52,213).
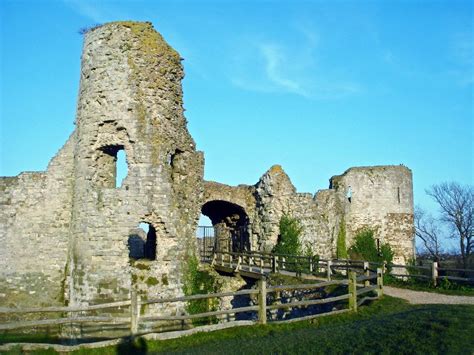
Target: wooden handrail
(200,297)
(66,309)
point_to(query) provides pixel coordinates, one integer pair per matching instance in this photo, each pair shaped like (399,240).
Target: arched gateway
(230,225)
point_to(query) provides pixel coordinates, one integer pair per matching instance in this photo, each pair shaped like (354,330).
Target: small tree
(365,248)
(288,240)
(456,204)
(427,229)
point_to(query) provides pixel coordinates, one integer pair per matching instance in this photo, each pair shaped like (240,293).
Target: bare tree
(427,229)
(457,211)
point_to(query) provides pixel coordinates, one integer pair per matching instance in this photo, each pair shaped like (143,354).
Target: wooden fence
(258,263)
(356,285)
(432,273)
(249,263)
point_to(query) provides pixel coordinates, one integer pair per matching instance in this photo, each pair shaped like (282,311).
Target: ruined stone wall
(379,198)
(35,215)
(319,214)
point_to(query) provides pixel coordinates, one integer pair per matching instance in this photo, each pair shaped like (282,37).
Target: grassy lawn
(446,288)
(387,326)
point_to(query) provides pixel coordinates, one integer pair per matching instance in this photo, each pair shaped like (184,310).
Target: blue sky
(316,86)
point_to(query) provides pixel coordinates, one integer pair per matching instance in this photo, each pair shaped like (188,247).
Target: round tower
(130,104)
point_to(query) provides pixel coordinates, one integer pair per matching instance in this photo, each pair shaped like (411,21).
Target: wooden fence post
(239,261)
(283,266)
(134,312)
(261,265)
(310,261)
(262,301)
(353,291)
(366,273)
(379,282)
(328,270)
(434,273)
(214,256)
(274,263)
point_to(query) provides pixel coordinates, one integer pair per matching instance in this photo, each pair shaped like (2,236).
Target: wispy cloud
(271,66)
(274,59)
(287,66)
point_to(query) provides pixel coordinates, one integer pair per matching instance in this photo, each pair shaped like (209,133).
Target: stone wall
(35,215)
(379,198)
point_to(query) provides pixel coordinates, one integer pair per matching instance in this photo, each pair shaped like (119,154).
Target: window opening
(398,194)
(142,242)
(121,168)
(349,194)
(111,165)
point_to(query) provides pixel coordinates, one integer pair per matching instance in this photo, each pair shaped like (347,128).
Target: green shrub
(288,240)
(341,250)
(198,281)
(365,248)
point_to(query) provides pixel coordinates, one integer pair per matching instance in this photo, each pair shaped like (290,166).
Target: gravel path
(420,297)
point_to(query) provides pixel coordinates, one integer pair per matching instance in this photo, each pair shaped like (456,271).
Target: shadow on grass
(136,346)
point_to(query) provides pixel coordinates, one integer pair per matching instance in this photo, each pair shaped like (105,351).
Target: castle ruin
(69,235)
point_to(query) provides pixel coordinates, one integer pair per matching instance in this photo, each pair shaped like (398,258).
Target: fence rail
(264,263)
(264,305)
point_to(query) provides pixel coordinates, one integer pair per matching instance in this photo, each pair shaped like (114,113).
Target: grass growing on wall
(197,281)
(341,249)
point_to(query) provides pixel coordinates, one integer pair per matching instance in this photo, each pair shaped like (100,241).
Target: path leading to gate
(421,297)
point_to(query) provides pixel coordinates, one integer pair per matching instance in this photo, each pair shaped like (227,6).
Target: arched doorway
(230,225)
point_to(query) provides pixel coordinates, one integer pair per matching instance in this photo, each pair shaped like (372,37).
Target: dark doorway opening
(142,242)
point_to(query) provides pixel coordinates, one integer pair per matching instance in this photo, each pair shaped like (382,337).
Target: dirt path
(420,297)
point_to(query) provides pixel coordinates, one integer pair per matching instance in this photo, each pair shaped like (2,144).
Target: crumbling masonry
(69,235)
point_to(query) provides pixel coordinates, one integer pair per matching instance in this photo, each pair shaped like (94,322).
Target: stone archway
(231,225)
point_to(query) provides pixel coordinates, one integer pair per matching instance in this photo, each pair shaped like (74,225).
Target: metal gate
(212,239)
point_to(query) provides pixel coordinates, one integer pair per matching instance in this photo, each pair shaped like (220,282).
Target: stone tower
(380,198)
(70,234)
(130,99)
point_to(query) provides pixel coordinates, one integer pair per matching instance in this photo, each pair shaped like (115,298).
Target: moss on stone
(164,280)
(140,265)
(152,281)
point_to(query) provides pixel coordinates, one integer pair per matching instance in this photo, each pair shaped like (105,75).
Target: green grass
(446,288)
(387,326)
